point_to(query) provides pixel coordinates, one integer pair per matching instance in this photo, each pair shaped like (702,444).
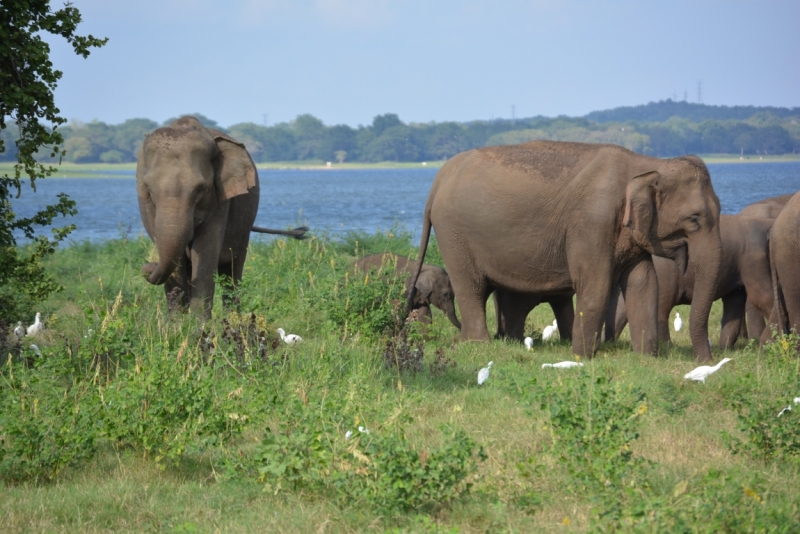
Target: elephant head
(673,212)
(185,176)
(433,287)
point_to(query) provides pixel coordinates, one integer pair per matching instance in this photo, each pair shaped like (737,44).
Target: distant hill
(663,110)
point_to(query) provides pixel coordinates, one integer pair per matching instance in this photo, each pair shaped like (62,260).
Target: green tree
(27,83)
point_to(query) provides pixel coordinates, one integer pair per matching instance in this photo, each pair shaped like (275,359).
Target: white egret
(483,374)
(701,373)
(789,408)
(677,324)
(562,365)
(549,331)
(36,350)
(290,339)
(363,430)
(37,326)
(348,434)
(529,343)
(19,331)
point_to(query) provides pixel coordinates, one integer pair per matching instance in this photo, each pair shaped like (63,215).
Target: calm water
(339,201)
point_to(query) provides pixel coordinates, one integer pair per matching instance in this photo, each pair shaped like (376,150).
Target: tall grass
(135,419)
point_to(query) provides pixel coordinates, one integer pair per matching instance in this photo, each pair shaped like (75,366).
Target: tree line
(306,138)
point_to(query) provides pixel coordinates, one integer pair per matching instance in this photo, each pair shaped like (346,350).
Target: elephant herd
(630,236)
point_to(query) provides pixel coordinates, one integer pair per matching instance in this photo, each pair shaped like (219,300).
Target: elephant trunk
(173,232)
(450,310)
(706,256)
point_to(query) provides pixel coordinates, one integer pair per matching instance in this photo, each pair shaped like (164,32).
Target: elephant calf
(433,285)
(744,275)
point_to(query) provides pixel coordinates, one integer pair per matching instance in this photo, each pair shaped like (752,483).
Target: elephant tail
(297,233)
(780,305)
(423,247)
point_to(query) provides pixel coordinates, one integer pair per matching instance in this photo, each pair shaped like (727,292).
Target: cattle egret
(36,350)
(529,343)
(19,331)
(701,373)
(483,374)
(789,408)
(562,365)
(549,331)
(677,324)
(348,434)
(363,430)
(291,339)
(37,326)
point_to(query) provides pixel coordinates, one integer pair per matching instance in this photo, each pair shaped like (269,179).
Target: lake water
(339,201)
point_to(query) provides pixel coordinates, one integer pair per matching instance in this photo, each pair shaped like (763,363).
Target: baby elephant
(433,284)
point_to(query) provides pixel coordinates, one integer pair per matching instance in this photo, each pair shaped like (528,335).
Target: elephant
(198,197)
(512,309)
(744,275)
(768,208)
(432,285)
(549,217)
(784,255)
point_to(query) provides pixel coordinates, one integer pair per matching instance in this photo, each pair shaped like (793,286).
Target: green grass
(142,370)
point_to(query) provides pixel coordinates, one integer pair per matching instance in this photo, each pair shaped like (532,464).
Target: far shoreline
(108,170)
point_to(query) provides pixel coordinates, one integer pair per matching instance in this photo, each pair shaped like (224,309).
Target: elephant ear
(640,202)
(235,172)
(424,288)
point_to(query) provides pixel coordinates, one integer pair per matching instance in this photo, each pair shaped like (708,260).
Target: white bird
(562,365)
(37,326)
(483,374)
(348,434)
(701,373)
(549,331)
(677,324)
(789,408)
(19,331)
(36,350)
(363,430)
(529,343)
(291,339)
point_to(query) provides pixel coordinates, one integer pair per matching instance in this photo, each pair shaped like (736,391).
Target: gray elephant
(768,208)
(784,254)
(198,197)
(432,285)
(547,217)
(512,310)
(744,274)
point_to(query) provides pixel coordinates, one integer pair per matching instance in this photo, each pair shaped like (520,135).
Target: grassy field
(153,421)
(108,170)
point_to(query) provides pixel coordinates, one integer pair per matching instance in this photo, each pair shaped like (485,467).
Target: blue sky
(346,61)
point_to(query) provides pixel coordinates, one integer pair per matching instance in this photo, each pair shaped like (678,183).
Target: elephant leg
(640,291)
(732,315)
(472,291)
(593,291)
(177,287)
(205,255)
(616,316)
(512,309)
(755,321)
(565,315)
(230,274)
(424,314)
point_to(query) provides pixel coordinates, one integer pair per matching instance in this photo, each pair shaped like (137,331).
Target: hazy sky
(346,61)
